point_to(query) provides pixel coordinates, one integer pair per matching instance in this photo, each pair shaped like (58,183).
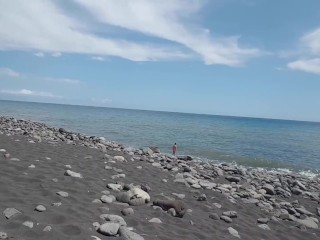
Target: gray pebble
(3,235)
(214,216)
(263,220)
(10,212)
(47,229)
(63,194)
(109,229)
(226,219)
(40,208)
(155,220)
(172,212)
(127,211)
(28,224)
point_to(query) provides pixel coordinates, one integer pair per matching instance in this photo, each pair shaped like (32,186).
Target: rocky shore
(57,184)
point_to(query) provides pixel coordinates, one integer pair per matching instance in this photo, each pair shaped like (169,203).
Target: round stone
(127,211)
(40,208)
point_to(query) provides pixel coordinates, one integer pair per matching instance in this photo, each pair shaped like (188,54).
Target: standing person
(174,149)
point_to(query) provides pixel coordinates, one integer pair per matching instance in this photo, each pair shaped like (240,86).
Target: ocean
(251,142)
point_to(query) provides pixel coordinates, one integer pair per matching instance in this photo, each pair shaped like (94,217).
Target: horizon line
(166,111)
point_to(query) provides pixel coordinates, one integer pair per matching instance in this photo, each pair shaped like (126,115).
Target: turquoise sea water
(247,141)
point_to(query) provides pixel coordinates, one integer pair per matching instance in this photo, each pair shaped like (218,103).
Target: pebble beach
(56,184)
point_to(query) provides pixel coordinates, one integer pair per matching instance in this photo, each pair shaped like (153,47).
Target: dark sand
(24,188)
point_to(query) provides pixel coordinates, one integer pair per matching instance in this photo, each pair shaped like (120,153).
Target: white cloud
(9,72)
(56,54)
(64,80)
(309,65)
(98,58)
(166,20)
(39,54)
(310,54)
(40,25)
(14,74)
(312,41)
(27,92)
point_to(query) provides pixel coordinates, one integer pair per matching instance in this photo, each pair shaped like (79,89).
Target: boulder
(119,158)
(185,158)
(147,151)
(233,232)
(113,219)
(269,189)
(179,206)
(73,174)
(10,212)
(155,149)
(109,229)
(126,234)
(233,179)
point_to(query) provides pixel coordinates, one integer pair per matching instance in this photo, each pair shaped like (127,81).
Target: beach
(58,184)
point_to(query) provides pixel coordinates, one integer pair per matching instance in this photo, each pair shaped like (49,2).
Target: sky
(255,58)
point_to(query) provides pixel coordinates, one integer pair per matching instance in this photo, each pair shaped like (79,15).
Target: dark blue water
(247,141)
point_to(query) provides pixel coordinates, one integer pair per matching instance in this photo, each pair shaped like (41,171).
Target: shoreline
(124,147)
(172,198)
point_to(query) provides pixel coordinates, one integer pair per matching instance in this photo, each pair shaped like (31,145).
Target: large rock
(155,149)
(28,224)
(134,196)
(40,208)
(109,229)
(185,158)
(178,205)
(269,189)
(137,202)
(308,222)
(106,199)
(155,220)
(114,186)
(10,212)
(62,194)
(207,184)
(233,232)
(233,179)
(73,174)
(114,219)
(147,151)
(3,235)
(126,234)
(264,226)
(300,185)
(231,214)
(226,219)
(127,211)
(119,158)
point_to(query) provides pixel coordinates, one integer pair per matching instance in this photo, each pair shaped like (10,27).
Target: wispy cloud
(39,54)
(56,54)
(166,20)
(41,25)
(27,92)
(63,80)
(307,65)
(309,54)
(97,58)
(9,72)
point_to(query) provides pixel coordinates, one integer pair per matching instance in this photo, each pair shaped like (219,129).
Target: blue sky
(258,58)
